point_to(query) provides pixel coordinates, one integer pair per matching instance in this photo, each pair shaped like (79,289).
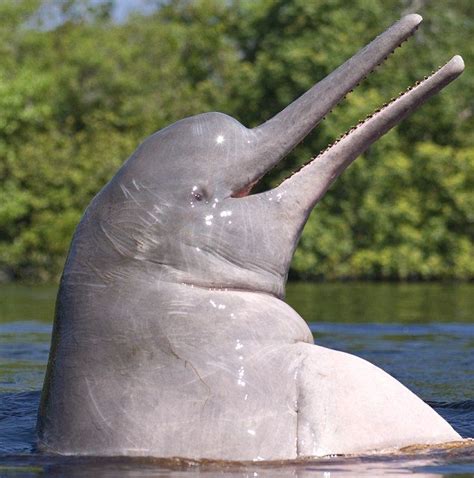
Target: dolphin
(171,336)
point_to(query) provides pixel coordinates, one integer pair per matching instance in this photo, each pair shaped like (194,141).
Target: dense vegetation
(78,94)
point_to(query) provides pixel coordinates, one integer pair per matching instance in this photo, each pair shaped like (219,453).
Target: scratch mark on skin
(96,406)
(153,216)
(100,274)
(200,379)
(181,315)
(186,362)
(103,418)
(150,191)
(149,238)
(115,243)
(129,195)
(145,221)
(230,372)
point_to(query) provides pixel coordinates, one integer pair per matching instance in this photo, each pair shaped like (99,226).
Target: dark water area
(422,334)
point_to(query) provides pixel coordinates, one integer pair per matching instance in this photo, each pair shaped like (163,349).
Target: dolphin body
(171,337)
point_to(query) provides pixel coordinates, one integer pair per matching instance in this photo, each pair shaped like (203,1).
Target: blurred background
(83,82)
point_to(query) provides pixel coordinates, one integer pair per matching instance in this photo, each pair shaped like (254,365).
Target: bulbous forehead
(201,147)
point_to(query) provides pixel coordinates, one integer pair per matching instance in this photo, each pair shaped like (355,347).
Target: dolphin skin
(171,337)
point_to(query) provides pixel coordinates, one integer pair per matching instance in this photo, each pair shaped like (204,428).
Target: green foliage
(76,99)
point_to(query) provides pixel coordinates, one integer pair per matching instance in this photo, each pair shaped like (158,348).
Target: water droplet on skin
(251,432)
(220,139)
(226,213)
(212,303)
(240,375)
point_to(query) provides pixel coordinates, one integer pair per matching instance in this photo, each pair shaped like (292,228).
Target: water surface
(423,334)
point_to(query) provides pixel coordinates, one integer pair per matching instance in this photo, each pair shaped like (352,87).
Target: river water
(422,334)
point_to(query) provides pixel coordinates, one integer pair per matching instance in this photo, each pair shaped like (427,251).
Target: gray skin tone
(171,337)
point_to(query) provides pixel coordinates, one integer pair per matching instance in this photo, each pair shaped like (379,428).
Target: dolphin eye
(200,194)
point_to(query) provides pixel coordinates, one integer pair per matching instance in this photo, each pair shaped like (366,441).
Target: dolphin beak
(308,185)
(275,138)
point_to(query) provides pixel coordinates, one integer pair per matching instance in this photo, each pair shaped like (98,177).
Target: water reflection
(383,303)
(25,303)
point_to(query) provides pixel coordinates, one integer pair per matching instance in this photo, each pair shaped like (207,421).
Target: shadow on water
(423,334)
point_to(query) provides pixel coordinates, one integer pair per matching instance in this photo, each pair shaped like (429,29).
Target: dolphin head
(179,210)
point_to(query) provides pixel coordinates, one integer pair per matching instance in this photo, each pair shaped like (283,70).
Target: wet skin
(171,336)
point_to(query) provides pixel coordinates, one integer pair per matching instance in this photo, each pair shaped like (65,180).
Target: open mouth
(290,126)
(247,189)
